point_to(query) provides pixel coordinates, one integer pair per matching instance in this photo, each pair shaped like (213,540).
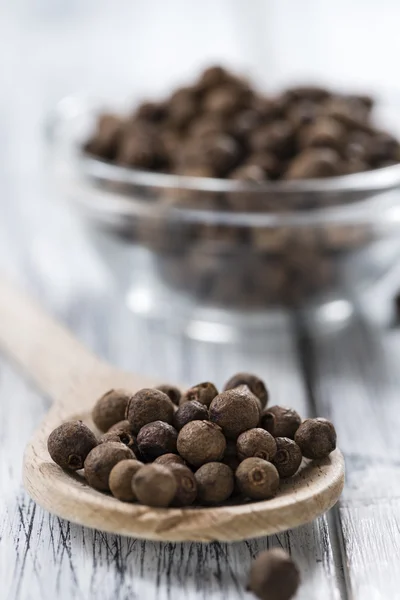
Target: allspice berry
(147,406)
(154,485)
(256,442)
(169,459)
(110,408)
(281,421)
(212,77)
(235,411)
(274,576)
(70,443)
(288,457)
(123,430)
(202,392)
(120,425)
(254,383)
(101,460)
(200,442)
(314,163)
(190,411)
(325,132)
(155,439)
(215,483)
(186,491)
(257,479)
(120,480)
(122,434)
(173,393)
(316,438)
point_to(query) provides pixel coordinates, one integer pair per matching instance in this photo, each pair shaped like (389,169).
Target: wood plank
(355,380)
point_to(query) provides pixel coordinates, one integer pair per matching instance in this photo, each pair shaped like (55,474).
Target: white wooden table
(351,377)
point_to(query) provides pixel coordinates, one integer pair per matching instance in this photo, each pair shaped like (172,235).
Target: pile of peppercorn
(222,127)
(163,448)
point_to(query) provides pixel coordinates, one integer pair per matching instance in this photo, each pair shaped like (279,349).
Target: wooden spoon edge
(311,493)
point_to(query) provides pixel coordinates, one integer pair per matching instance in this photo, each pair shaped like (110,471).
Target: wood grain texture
(63,559)
(355,379)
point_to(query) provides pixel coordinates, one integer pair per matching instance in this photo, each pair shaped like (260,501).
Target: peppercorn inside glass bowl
(218,255)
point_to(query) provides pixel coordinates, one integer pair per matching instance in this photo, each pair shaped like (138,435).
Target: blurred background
(141,49)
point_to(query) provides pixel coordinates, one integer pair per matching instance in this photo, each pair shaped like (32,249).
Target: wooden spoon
(74,378)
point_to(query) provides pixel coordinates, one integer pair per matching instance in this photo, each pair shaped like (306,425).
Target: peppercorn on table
(350,376)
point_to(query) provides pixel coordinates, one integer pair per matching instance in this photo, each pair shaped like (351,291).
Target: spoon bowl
(74,378)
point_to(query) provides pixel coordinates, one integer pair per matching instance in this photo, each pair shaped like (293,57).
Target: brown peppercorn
(352,115)
(269,109)
(120,435)
(215,483)
(110,408)
(383,147)
(254,383)
(200,442)
(274,576)
(268,162)
(245,122)
(182,109)
(207,125)
(257,479)
(101,460)
(190,411)
(281,421)
(302,113)
(235,411)
(314,163)
(148,405)
(308,92)
(173,393)
(213,77)
(256,442)
(220,152)
(70,443)
(141,147)
(120,480)
(169,459)
(226,100)
(154,485)
(288,457)
(202,392)
(104,142)
(190,195)
(367,102)
(120,425)
(153,112)
(250,173)
(275,137)
(325,133)
(316,438)
(186,485)
(155,439)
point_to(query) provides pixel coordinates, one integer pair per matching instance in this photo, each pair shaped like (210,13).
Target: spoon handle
(57,362)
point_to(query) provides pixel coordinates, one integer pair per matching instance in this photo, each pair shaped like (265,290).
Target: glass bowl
(217,255)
